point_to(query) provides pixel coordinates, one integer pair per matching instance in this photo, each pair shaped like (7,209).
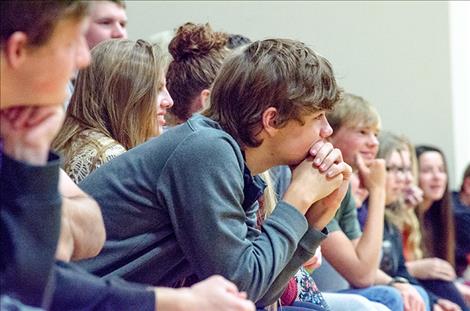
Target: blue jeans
(298,306)
(352,302)
(386,295)
(424,295)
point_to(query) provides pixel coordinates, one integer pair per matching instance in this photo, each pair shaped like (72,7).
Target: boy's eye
(368,132)
(105,22)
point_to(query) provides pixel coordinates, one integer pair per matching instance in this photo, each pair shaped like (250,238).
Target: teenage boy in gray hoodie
(183,206)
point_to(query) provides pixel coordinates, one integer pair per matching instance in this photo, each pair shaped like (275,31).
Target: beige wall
(395,54)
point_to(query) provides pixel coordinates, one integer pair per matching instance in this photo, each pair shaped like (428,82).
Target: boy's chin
(295,162)
(57,99)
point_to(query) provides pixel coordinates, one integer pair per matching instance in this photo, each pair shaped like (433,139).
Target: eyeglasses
(398,169)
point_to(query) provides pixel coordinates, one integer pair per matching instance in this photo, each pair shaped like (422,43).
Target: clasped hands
(319,184)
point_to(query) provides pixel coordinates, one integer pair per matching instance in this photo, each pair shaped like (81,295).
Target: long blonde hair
(116,95)
(409,219)
(398,213)
(388,143)
(270,201)
(270,197)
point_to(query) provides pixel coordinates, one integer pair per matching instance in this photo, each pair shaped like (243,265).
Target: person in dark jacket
(31,202)
(461,203)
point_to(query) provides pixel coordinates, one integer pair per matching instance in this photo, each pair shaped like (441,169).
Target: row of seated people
(163,197)
(45,218)
(190,76)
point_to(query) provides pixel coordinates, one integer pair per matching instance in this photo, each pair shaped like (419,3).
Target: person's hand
(413,196)
(213,294)
(412,300)
(446,305)
(359,193)
(464,291)
(309,183)
(65,246)
(27,132)
(218,294)
(371,174)
(322,211)
(326,157)
(314,262)
(432,268)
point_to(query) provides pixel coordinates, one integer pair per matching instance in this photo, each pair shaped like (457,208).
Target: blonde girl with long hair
(119,102)
(403,215)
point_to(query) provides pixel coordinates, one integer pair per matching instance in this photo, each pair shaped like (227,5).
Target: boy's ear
(15,49)
(270,116)
(205,95)
(200,101)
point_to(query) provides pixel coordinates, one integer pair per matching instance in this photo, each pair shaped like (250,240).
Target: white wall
(459,15)
(395,54)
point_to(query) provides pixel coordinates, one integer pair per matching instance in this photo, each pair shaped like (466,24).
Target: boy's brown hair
(280,73)
(37,19)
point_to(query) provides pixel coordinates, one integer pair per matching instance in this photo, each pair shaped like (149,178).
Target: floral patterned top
(90,149)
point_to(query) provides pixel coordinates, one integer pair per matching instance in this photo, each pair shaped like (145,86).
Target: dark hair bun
(193,40)
(235,40)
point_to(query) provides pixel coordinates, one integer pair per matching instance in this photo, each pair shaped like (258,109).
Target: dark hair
(280,73)
(437,223)
(234,41)
(37,18)
(197,53)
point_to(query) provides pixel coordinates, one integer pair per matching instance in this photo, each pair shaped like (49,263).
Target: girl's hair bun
(192,40)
